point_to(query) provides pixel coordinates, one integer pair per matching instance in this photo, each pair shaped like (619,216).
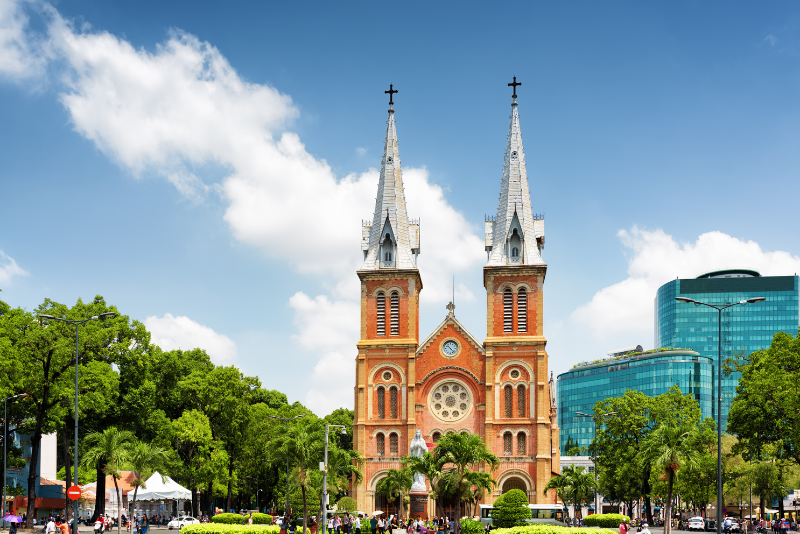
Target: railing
(387,264)
(490,218)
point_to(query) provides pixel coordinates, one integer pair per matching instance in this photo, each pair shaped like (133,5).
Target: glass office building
(744,328)
(651,372)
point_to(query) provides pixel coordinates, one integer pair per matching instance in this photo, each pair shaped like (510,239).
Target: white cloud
(361,151)
(170,332)
(771,40)
(627,306)
(20,53)
(9,268)
(183,108)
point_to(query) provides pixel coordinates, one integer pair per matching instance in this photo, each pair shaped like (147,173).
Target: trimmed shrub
(512,509)
(222,528)
(228,519)
(261,519)
(546,528)
(471,526)
(605,520)
(346,504)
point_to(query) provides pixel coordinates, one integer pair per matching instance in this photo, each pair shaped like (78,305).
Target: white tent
(156,489)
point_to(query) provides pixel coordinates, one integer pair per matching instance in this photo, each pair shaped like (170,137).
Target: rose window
(387,376)
(514,374)
(450,401)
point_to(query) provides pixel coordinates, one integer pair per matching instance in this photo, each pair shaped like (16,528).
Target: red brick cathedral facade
(451,382)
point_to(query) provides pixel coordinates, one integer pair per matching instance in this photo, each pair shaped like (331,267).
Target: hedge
(471,526)
(221,528)
(239,519)
(605,520)
(547,528)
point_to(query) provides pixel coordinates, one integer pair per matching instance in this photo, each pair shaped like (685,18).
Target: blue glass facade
(652,373)
(744,328)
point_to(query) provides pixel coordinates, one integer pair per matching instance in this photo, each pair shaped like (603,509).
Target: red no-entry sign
(74,493)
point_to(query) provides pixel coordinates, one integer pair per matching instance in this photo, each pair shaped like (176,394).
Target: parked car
(697,523)
(182,522)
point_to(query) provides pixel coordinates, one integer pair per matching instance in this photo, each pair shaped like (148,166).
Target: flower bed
(545,528)
(222,528)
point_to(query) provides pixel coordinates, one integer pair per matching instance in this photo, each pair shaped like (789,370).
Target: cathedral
(450,381)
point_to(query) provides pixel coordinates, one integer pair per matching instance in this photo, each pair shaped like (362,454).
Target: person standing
(357,524)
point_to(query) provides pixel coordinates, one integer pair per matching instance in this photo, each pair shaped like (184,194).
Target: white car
(182,522)
(697,523)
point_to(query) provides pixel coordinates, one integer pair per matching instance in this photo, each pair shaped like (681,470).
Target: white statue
(417,448)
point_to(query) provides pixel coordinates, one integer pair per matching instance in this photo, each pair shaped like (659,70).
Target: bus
(540,513)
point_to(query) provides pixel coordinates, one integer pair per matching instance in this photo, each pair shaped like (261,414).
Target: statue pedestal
(418,505)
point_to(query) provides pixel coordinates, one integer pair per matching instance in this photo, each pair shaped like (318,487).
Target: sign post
(74,493)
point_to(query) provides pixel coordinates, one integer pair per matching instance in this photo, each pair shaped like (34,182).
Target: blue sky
(205,166)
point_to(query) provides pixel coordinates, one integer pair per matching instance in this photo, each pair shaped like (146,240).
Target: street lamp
(102,316)
(596,493)
(5,446)
(324,468)
(286,420)
(719,308)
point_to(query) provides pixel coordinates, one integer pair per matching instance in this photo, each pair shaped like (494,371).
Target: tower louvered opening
(522,310)
(507,442)
(381,403)
(380,445)
(508,311)
(393,402)
(521,449)
(395,313)
(393,443)
(381,319)
(520,401)
(509,393)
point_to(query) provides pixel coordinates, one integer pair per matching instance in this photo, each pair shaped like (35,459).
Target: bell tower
(516,360)
(384,423)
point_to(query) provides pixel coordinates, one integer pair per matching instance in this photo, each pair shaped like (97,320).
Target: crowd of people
(360,524)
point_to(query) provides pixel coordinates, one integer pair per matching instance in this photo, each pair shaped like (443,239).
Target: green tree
(460,455)
(46,353)
(511,509)
(395,485)
(347,505)
(109,449)
(574,486)
(431,465)
(145,459)
(669,448)
(621,440)
(302,443)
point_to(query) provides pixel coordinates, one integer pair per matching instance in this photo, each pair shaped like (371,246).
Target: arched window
(509,393)
(393,443)
(520,401)
(393,402)
(514,252)
(507,443)
(380,445)
(436,437)
(381,319)
(508,311)
(387,248)
(515,244)
(381,403)
(395,313)
(521,444)
(522,310)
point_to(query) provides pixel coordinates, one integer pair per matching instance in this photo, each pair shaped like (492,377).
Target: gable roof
(450,319)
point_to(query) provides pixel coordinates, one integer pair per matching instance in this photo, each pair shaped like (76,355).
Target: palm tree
(461,452)
(302,444)
(669,448)
(145,459)
(109,449)
(478,483)
(430,466)
(396,485)
(573,486)
(344,467)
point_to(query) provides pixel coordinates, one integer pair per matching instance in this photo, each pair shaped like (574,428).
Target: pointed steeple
(390,242)
(515,236)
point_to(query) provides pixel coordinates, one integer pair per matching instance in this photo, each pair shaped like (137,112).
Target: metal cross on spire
(391,93)
(514,84)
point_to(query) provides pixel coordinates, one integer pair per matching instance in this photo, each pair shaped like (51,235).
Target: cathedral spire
(390,242)
(515,236)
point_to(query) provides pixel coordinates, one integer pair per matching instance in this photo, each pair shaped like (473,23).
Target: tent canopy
(157,488)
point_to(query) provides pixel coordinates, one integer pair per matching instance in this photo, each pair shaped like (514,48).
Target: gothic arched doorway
(515,483)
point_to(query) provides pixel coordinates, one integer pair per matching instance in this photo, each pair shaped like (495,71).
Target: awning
(158,488)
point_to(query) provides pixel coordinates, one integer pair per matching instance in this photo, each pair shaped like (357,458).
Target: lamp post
(324,469)
(286,420)
(719,308)
(596,493)
(102,316)
(5,446)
